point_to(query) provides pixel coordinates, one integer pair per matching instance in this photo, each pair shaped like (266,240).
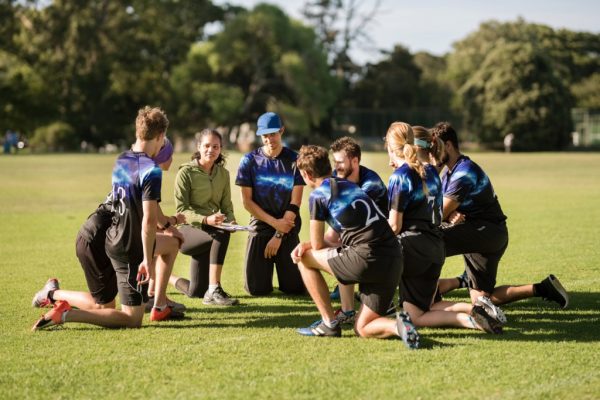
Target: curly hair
(150,122)
(314,160)
(445,132)
(347,144)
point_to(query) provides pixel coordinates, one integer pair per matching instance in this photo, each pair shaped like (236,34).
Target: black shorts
(99,273)
(130,293)
(423,260)
(377,276)
(482,244)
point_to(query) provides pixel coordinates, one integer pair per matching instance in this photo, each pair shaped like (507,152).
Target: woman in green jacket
(203,195)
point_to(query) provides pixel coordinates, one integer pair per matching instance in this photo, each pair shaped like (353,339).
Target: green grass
(252,351)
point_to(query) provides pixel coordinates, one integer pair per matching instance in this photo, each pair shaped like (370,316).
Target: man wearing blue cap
(271,192)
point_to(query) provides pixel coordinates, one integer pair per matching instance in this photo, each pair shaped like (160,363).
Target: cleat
(407,331)
(491,309)
(308,331)
(484,321)
(555,291)
(166,314)
(335,293)
(177,307)
(219,298)
(53,317)
(345,317)
(41,298)
(320,329)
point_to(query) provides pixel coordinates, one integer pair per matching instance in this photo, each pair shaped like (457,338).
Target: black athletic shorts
(482,244)
(99,273)
(130,293)
(423,260)
(377,276)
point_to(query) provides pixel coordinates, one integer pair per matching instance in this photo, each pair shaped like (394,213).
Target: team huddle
(438,203)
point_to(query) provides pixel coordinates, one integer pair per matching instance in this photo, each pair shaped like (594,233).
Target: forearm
(148,237)
(257,212)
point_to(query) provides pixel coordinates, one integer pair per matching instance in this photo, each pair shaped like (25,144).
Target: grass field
(252,351)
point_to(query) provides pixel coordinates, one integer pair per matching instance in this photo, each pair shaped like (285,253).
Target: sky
(433,25)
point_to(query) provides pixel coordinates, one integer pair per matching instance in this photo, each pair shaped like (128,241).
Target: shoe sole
(42,323)
(408,333)
(560,289)
(486,322)
(493,311)
(315,333)
(46,302)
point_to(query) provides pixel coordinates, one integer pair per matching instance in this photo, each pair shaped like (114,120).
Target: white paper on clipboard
(234,227)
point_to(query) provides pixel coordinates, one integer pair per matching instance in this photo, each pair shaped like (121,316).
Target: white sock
(161,308)
(211,288)
(63,317)
(331,324)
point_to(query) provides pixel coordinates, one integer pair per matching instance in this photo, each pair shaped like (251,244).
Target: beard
(344,173)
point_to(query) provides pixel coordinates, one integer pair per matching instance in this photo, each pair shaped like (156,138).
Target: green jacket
(198,194)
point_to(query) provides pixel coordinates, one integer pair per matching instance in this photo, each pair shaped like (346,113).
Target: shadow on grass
(541,321)
(528,320)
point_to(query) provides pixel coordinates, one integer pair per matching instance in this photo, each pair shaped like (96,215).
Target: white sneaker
(491,309)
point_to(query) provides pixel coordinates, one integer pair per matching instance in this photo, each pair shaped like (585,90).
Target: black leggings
(206,245)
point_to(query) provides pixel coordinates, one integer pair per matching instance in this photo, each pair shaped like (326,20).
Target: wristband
(293,208)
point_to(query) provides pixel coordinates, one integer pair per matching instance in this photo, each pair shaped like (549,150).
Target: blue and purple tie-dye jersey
(352,213)
(468,185)
(135,179)
(373,186)
(420,205)
(272,179)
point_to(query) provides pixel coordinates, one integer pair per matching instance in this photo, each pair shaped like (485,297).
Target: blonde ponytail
(400,139)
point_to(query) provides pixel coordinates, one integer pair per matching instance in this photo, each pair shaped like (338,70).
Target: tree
(517,90)
(392,83)
(261,61)
(563,57)
(22,94)
(101,60)
(340,26)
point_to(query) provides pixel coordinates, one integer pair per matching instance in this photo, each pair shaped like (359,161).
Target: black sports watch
(278,234)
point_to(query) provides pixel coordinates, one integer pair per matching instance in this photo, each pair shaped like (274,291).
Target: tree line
(73,71)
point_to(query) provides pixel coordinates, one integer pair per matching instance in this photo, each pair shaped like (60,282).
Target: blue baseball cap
(165,152)
(268,123)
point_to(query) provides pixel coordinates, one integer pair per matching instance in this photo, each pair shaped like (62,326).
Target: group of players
(382,239)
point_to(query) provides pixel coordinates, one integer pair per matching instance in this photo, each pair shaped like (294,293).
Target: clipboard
(234,227)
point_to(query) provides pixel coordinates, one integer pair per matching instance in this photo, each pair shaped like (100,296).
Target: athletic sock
(212,288)
(539,290)
(63,317)
(331,324)
(161,308)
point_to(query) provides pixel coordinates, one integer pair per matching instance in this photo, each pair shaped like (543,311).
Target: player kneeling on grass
(415,199)
(370,255)
(131,238)
(99,273)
